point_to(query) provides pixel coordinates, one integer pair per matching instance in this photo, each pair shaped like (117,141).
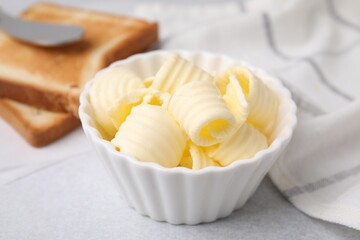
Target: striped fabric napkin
(314,48)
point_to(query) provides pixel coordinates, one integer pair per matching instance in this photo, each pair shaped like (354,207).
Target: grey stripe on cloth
(271,39)
(326,82)
(242,6)
(336,16)
(301,102)
(322,183)
(316,68)
(344,51)
(274,48)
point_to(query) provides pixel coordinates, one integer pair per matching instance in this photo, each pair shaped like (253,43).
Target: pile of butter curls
(184,116)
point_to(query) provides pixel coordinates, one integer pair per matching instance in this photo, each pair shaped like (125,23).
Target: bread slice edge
(57,125)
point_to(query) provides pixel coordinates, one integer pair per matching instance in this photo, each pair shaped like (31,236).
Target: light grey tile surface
(75,199)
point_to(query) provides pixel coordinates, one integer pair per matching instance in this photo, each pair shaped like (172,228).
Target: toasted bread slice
(52,78)
(38,127)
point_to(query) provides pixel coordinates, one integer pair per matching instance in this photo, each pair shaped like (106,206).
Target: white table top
(78,201)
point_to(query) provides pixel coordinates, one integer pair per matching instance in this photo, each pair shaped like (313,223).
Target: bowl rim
(94,134)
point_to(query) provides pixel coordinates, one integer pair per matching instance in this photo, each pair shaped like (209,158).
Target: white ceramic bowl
(180,195)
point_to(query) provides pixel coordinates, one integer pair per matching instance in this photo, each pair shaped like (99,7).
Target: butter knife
(41,34)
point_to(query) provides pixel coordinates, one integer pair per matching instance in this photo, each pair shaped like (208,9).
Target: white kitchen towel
(320,171)
(314,48)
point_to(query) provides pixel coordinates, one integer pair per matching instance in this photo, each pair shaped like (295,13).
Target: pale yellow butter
(109,87)
(200,159)
(196,158)
(151,134)
(175,72)
(155,97)
(243,144)
(263,102)
(122,107)
(235,100)
(202,112)
(183,116)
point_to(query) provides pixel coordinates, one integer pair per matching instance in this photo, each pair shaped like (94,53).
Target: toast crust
(58,74)
(23,119)
(43,98)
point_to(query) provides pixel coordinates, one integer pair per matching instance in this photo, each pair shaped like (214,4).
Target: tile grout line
(57,162)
